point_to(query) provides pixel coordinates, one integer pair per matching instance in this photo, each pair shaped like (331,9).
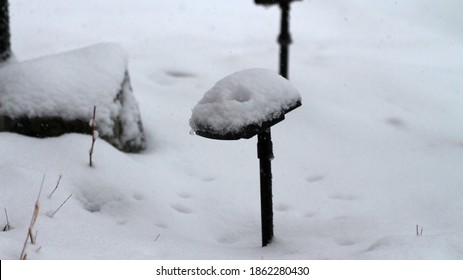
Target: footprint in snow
(227,239)
(138,196)
(208,179)
(397,123)
(315,178)
(344,196)
(309,214)
(184,195)
(179,74)
(281,207)
(344,241)
(161,225)
(181,208)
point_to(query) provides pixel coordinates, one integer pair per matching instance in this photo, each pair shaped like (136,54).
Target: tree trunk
(5,47)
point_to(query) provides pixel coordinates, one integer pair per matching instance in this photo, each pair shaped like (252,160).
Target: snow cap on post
(243,104)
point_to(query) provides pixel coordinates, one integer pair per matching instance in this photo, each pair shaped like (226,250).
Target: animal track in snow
(138,196)
(281,207)
(185,195)
(208,179)
(396,123)
(181,208)
(309,214)
(161,225)
(180,74)
(227,239)
(344,241)
(343,196)
(315,178)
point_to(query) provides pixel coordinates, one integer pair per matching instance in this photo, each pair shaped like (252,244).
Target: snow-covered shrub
(53,95)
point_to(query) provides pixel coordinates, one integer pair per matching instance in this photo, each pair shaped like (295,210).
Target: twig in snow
(94,135)
(23,257)
(53,214)
(31,236)
(35,215)
(419,232)
(7,227)
(157,237)
(57,185)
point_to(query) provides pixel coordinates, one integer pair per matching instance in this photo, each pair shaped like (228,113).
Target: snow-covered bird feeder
(240,106)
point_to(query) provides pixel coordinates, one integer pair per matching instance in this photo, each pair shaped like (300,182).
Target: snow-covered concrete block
(53,95)
(243,104)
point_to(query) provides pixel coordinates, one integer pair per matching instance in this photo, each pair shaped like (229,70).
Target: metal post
(284,39)
(265,155)
(264,142)
(5,48)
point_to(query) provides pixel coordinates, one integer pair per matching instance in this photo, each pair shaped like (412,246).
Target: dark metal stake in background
(284,39)
(264,143)
(5,48)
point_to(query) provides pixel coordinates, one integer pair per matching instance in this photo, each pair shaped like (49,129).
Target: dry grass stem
(31,236)
(419,232)
(7,227)
(94,135)
(57,185)
(53,214)
(35,215)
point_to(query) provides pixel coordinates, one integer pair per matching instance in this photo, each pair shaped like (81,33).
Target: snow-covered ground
(375,150)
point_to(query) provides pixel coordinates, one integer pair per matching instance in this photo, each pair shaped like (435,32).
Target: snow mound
(67,86)
(248,97)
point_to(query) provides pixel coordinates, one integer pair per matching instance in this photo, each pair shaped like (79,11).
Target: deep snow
(375,150)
